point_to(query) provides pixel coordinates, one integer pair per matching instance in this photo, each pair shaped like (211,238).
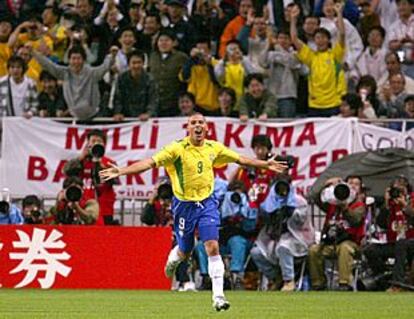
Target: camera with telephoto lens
(4,207)
(334,234)
(73,193)
(236,198)
(289,159)
(282,186)
(5,201)
(337,194)
(395,192)
(97,150)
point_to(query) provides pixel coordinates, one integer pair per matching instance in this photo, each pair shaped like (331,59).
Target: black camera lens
(35,213)
(4,207)
(342,192)
(97,150)
(395,192)
(282,188)
(73,193)
(235,198)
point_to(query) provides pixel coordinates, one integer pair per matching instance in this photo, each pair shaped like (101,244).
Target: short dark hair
(96,132)
(359,177)
(203,40)
(409,98)
(70,180)
(228,91)
(167,33)
(165,191)
(313,17)
(409,1)
(261,140)
(324,32)
(235,185)
(188,95)
(137,54)
(31,200)
(126,29)
(353,100)
(45,75)
(253,76)
(284,31)
(367,80)
(15,59)
(378,28)
(155,15)
(77,49)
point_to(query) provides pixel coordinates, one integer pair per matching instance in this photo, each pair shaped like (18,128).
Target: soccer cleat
(220,303)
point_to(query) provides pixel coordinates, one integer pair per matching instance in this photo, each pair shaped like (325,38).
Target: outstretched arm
(270,164)
(339,6)
(294,14)
(135,168)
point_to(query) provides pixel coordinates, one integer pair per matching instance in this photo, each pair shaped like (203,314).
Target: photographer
(287,233)
(400,202)
(87,167)
(342,232)
(238,226)
(392,232)
(198,72)
(73,206)
(257,180)
(33,213)
(157,210)
(10,214)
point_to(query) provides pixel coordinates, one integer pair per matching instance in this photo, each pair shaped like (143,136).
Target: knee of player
(212,247)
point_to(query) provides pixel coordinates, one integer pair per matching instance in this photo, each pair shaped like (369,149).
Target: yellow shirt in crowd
(234,77)
(201,85)
(5,54)
(326,79)
(191,167)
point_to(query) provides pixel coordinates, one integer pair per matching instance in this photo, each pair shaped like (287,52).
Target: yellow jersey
(326,79)
(191,167)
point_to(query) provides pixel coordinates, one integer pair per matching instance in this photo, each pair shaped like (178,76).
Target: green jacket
(256,107)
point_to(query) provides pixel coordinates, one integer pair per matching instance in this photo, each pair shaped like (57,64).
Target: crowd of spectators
(246,59)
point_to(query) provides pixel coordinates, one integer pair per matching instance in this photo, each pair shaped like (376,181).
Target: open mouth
(198,131)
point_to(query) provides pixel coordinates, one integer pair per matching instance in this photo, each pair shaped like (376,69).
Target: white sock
(216,273)
(173,255)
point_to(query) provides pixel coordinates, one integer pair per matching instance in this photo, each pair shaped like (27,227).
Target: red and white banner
(34,151)
(84,257)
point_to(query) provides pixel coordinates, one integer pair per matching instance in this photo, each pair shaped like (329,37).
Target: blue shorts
(189,215)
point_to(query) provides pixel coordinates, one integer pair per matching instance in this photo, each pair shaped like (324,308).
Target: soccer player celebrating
(189,163)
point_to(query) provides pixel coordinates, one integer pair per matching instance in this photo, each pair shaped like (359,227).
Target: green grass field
(157,304)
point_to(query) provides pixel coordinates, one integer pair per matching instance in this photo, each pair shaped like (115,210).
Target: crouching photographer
(400,202)
(342,232)
(287,233)
(73,206)
(238,226)
(10,214)
(87,167)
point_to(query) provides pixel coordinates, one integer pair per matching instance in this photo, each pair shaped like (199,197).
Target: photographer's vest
(398,226)
(356,233)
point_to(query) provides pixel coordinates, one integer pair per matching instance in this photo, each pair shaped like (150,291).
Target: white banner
(370,137)
(34,151)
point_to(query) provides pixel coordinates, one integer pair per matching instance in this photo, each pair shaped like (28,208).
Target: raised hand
(110,173)
(295,12)
(277,166)
(339,7)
